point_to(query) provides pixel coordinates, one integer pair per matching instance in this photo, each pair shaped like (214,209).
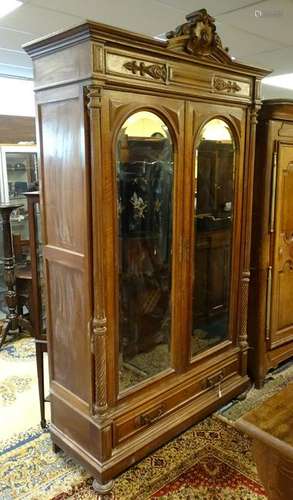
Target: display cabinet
(147,154)
(271,294)
(18,173)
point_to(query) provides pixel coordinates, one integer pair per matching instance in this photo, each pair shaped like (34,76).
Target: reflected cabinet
(147,152)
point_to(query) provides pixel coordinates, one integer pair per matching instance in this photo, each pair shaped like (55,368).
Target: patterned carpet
(19,405)
(211,460)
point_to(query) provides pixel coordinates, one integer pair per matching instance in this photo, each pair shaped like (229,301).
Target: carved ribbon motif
(154,70)
(226,85)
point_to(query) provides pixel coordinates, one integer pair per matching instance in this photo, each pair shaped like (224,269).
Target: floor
(19,403)
(209,461)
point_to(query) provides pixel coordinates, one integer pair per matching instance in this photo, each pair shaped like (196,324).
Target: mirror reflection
(144,171)
(213,219)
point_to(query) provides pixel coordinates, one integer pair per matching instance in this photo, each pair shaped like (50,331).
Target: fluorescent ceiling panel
(7,6)
(282,81)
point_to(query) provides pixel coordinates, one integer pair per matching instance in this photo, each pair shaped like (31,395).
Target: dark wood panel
(68,333)
(64,174)
(14,129)
(65,66)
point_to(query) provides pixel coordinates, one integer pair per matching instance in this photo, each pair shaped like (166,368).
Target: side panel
(66,236)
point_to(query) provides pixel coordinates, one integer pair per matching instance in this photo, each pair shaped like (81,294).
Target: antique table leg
(41,347)
(13,322)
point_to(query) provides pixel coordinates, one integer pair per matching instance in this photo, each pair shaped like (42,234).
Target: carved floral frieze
(156,71)
(226,85)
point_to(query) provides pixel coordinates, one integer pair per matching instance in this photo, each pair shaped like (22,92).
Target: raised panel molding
(286,130)
(118,108)
(156,71)
(229,86)
(98,59)
(137,68)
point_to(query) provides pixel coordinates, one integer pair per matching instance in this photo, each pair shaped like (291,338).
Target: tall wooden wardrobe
(147,154)
(271,291)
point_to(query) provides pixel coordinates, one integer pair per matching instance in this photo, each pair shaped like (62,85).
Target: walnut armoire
(147,154)
(271,291)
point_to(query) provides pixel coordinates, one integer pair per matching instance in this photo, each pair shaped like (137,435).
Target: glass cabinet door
(19,173)
(144,171)
(213,226)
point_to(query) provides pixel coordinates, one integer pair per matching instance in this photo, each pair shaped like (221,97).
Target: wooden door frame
(274,340)
(117,107)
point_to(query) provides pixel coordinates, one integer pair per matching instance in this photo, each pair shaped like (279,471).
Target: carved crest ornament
(198,37)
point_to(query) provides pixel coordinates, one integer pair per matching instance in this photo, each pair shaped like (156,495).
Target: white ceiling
(256,32)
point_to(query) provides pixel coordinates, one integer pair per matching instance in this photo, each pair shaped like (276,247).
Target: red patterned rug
(212,461)
(211,478)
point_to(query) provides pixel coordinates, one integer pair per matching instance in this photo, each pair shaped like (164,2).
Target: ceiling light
(283,81)
(7,6)
(161,36)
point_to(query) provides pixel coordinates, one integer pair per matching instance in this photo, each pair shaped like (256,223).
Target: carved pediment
(198,37)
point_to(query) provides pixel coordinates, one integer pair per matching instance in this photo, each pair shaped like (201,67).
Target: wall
(14,129)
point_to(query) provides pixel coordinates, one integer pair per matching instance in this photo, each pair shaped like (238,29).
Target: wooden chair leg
(4,331)
(40,371)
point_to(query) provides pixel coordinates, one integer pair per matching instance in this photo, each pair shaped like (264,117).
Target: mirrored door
(214,170)
(144,176)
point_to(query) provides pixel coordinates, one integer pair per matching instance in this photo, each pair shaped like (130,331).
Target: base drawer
(144,416)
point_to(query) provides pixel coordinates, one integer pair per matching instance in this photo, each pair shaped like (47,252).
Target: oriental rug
(211,461)
(19,402)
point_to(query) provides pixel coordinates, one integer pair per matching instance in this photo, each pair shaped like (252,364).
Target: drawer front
(144,416)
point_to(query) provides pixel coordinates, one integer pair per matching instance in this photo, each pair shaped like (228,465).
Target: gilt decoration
(198,37)
(226,85)
(153,70)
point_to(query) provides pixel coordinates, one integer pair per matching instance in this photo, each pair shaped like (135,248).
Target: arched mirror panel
(213,225)
(144,172)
